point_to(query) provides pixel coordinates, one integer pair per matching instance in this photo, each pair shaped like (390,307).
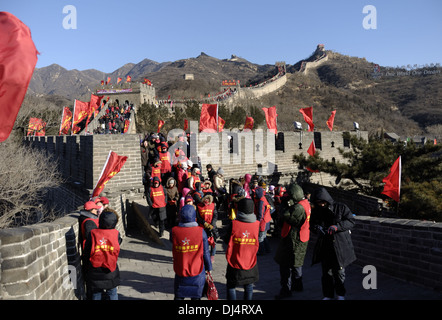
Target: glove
(332,230)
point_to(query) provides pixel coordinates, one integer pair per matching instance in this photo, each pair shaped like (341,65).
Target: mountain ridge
(350,84)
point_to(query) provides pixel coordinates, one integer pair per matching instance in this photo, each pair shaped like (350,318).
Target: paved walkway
(147,274)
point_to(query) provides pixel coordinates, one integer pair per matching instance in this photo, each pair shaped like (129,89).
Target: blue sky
(111,33)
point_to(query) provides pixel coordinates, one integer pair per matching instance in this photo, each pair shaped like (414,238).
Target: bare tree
(25,176)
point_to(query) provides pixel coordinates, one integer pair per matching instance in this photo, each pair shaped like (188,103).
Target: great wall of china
(42,261)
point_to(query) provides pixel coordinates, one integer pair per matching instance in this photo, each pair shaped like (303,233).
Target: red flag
(66,122)
(186,124)
(392,187)
(81,111)
(221,123)
(18,57)
(102,82)
(126,125)
(128,79)
(331,120)
(209,117)
(36,127)
(308,117)
(113,165)
(119,80)
(311,151)
(249,123)
(108,80)
(271,115)
(160,125)
(95,103)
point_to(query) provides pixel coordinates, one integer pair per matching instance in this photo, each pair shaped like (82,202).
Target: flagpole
(102,170)
(217,125)
(73,117)
(61,122)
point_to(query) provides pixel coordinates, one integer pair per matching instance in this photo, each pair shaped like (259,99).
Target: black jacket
(339,243)
(101,278)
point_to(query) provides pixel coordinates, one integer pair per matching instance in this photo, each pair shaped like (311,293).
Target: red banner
(113,165)
(81,111)
(18,57)
(36,127)
(271,115)
(160,125)
(249,123)
(392,187)
(221,123)
(66,121)
(308,117)
(331,120)
(209,117)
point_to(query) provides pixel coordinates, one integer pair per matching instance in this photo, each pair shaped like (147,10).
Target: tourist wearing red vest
(295,234)
(242,248)
(165,167)
(101,251)
(206,217)
(191,256)
(262,211)
(157,199)
(87,220)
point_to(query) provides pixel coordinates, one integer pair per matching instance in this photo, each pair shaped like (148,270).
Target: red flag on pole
(271,115)
(112,166)
(392,187)
(308,117)
(66,122)
(209,118)
(186,124)
(81,111)
(119,80)
(331,120)
(128,79)
(36,127)
(249,123)
(160,125)
(18,57)
(311,151)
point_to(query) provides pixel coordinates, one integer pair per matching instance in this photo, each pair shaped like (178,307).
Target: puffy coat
(338,214)
(192,287)
(291,251)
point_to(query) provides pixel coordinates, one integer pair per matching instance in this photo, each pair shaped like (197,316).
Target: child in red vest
(101,251)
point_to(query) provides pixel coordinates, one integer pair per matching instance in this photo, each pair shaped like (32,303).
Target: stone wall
(410,250)
(38,262)
(81,158)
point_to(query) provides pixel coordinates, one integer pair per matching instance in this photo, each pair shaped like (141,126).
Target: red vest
(187,251)
(304,232)
(195,180)
(266,217)
(105,248)
(156,172)
(157,196)
(206,212)
(165,162)
(243,245)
